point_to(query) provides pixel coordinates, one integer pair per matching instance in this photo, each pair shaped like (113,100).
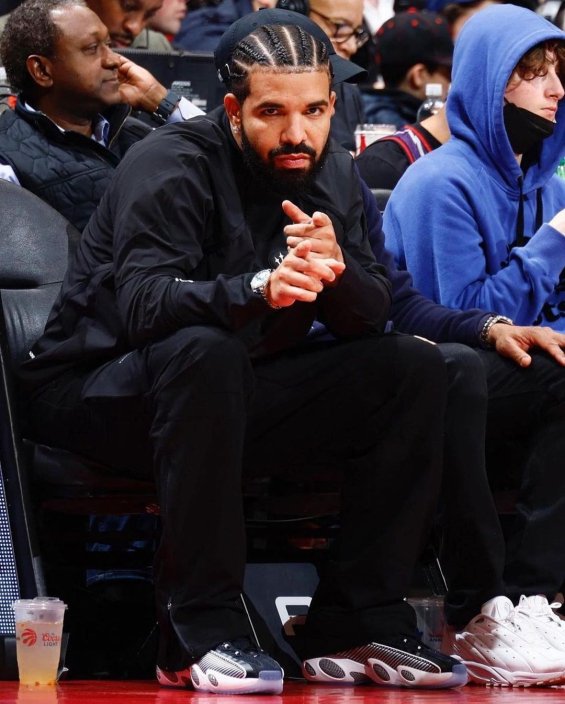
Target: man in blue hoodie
(474,234)
(467,221)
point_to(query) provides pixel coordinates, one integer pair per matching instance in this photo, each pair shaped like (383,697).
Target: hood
(488,48)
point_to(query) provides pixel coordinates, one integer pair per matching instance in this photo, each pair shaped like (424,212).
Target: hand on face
(138,87)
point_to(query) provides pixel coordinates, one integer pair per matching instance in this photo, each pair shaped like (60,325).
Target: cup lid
(39,603)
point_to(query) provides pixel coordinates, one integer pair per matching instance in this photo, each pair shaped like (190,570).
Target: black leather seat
(35,244)
(381,196)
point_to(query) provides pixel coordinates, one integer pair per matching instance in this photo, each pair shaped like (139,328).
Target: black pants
(472,550)
(527,410)
(193,409)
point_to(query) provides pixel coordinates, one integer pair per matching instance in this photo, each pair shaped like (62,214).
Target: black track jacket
(175,242)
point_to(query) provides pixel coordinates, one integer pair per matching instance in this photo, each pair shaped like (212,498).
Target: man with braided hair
(179,346)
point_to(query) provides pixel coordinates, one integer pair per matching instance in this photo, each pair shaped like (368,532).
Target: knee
(422,360)
(411,364)
(212,357)
(465,371)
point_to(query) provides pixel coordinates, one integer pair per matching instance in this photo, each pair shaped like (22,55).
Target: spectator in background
(413,48)
(70,126)
(127,23)
(457,13)
(201,29)
(169,18)
(509,127)
(383,162)
(470,223)
(342,21)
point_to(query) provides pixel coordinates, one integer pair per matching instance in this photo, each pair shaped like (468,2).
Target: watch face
(259,281)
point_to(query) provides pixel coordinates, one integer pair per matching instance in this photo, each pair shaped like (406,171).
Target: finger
(295,293)
(294,213)
(512,350)
(326,270)
(299,272)
(289,276)
(321,219)
(554,349)
(317,246)
(299,230)
(302,249)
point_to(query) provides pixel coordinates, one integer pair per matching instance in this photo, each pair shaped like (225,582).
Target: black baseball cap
(343,70)
(414,37)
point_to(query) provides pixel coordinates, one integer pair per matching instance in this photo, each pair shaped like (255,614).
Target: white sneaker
(500,647)
(543,619)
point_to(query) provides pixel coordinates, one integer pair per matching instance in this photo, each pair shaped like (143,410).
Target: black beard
(290,182)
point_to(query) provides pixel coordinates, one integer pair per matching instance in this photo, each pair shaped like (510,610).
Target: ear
(332,102)
(417,77)
(233,110)
(40,69)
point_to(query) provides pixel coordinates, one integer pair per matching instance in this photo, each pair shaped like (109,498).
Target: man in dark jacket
(180,346)
(70,127)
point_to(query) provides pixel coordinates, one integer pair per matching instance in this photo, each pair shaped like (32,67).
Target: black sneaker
(233,667)
(400,662)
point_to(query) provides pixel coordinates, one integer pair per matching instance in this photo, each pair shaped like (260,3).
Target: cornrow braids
(282,48)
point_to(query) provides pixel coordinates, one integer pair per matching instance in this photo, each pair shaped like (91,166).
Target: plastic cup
(368,133)
(39,630)
(431,623)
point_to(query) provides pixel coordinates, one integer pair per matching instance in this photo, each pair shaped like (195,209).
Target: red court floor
(91,692)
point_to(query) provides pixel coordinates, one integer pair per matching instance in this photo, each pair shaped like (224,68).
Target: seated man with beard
(178,347)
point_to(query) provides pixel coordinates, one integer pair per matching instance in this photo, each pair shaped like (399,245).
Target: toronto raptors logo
(29,637)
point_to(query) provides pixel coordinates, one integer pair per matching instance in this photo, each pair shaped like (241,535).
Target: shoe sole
(404,676)
(345,671)
(499,677)
(175,680)
(334,671)
(268,682)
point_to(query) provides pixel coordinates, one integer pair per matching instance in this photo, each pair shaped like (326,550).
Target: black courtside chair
(50,493)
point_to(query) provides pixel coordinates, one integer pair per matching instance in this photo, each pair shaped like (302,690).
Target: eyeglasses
(342,32)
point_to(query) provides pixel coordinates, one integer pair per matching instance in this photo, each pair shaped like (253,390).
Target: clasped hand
(314,259)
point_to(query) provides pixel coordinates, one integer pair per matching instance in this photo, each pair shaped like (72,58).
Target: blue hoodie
(453,218)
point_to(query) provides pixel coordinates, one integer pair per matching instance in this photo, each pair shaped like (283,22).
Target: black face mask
(525,130)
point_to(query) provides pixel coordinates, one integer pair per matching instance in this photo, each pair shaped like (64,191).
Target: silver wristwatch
(259,284)
(487,325)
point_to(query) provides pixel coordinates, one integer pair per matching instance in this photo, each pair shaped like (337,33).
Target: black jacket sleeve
(361,300)
(167,236)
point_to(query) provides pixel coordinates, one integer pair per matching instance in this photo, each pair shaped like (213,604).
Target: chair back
(35,241)
(34,250)
(381,196)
